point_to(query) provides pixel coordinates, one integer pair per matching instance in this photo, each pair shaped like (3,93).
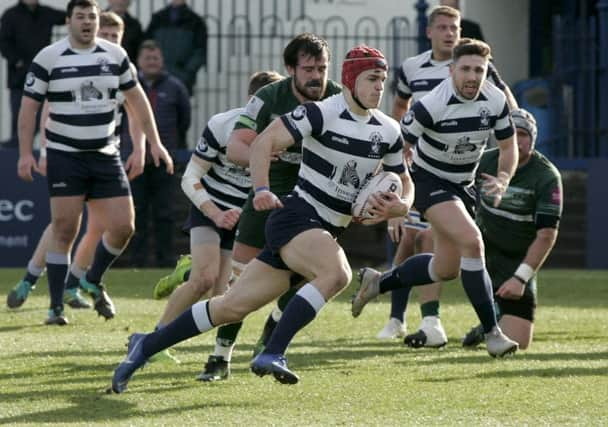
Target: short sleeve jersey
(81,87)
(532,201)
(226,183)
(450,132)
(340,152)
(268,103)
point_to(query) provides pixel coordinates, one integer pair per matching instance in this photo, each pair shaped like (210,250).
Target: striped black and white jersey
(450,132)
(228,184)
(340,152)
(81,87)
(420,74)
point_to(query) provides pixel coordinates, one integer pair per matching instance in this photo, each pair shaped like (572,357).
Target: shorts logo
(350,175)
(59,185)
(299,113)
(30,79)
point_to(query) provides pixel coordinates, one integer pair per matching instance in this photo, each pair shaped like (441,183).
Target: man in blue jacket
(154,190)
(182,37)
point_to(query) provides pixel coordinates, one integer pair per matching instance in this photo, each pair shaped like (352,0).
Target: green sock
(228,333)
(430,308)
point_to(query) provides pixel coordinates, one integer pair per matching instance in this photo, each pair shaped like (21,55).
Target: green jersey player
(520,233)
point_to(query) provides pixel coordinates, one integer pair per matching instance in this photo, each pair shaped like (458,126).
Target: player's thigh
(446,260)
(424,241)
(316,255)
(114,213)
(225,272)
(205,251)
(450,220)
(258,285)
(405,248)
(243,253)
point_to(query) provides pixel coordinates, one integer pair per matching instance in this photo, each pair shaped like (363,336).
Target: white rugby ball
(381,182)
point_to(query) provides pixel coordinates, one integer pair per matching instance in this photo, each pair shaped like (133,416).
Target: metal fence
(244,37)
(579,85)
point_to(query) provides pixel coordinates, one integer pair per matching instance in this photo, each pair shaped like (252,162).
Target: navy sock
(413,272)
(399,300)
(478,287)
(72,281)
(30,278)
(104,257)
(430,308)
(33,273)
(190,323)
(187,275)
(57,268)
(300,311)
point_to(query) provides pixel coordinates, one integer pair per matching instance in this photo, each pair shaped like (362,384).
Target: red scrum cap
(359,59)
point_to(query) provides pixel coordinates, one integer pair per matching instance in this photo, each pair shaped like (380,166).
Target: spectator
(155,189)
(133,34)
(182,37)
(469,29)
(24,29)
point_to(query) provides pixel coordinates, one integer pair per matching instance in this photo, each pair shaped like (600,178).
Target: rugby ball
(381,182)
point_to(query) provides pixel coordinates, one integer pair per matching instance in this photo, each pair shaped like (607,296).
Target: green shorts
(251,225)
(501,267)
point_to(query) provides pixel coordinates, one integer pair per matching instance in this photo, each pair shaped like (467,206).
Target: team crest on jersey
(299,113)
(464,145)
(484,117)
(88,92)
(376,139)
(349,174)
(408,119)
(30,79)
(104,65)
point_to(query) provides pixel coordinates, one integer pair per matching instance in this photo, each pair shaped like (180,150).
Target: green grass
(58,376)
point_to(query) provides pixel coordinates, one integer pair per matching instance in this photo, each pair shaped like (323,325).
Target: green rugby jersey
(267,104)
(533,200)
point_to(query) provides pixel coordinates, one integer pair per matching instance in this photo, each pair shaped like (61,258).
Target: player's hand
(25,166)
(227,219)
(42,165)
(158,153)
(135,164)
(385,205)
(511,289)
(275,156)
(395,228)
(266,200)
(495,186)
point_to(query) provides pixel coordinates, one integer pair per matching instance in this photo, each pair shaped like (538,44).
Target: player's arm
(142,113)
(44,116)
(400,107)
(276,137)
(26,126)
(136,161)
(507,158)
(195,191)
(238,150)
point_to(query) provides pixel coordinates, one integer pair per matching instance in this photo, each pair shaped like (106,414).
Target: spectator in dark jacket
(24,29)
(134,34)
(154,190)
(182,36)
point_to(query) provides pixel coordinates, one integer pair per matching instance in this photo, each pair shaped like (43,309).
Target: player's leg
(315,255)
(517,316)
(66,214)
(396,325)
(258,285)
(35,267)
(431,332)
(138,249)
(83,257)
(217,366)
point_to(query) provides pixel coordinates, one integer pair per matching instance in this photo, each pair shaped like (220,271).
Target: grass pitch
(58,375)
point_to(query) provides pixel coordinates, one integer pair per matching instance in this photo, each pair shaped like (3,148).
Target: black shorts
(295,217)
(431,190)
(90,173)
(198,219)
(501,267)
